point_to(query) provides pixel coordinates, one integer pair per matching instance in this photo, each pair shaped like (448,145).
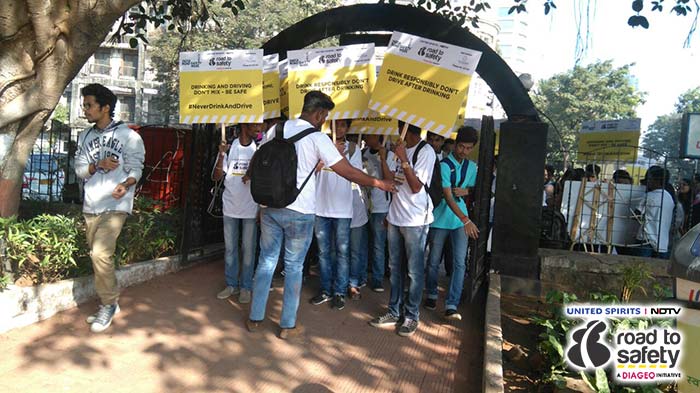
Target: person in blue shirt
(452,222)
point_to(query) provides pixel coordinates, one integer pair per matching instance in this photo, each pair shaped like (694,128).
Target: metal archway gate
(492,68)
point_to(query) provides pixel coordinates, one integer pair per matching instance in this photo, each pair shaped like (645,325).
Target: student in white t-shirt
(410,214)
(291,227)
(358,235)
(240,211)
(656,210)
(381,164)
(332,227)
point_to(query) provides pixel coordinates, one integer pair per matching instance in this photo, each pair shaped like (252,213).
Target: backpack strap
(465,170)
(301,135)
(296,138)
(279,130)
(415,153)
(453,172)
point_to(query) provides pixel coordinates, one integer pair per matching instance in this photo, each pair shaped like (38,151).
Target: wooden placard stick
(333,130)
(223,132)
(404,130)
(359,140)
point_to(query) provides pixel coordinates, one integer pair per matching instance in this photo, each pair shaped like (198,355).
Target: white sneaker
(227,292)
(91,318)
(244,297)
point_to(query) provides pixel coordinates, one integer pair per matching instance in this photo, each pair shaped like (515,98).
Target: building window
(101,65)
(127,107)
(129,65)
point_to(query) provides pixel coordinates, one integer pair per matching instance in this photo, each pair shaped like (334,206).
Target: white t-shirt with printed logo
(379,199)
(237,199)
(333,192)
(310,150)
(408,209)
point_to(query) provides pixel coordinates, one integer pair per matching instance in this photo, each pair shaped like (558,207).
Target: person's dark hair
(316,100)
(579,174)
(621,174)
(466,134)
(102,95)
(550,170)
(347,121)
(592,170)
(411,128)
(449,142)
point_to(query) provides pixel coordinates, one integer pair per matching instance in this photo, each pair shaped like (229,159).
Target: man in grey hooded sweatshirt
(109,159)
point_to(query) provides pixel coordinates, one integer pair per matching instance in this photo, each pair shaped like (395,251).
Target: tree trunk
(43,45)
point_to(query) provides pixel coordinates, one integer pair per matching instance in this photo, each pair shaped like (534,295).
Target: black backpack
(273,170)
(435,188)
(555,232)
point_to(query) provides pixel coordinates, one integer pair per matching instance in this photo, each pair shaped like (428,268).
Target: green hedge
(44,248)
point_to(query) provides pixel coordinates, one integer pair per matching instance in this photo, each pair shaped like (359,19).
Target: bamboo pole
(611,214)
(593,224)
(577,213)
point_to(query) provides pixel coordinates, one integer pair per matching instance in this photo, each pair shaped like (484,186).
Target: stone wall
(583,273)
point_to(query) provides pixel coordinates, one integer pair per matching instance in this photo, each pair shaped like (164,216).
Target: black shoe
(338,302)
(453,314)
(320,299)
(384,320)
(430,304)
(378,288)
(408,327)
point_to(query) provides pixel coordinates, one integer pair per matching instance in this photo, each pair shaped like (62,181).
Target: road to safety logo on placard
(633,356)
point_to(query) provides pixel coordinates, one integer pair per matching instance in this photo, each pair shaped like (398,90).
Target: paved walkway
(173,335)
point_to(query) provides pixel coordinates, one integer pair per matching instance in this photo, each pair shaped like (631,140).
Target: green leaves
(43,247)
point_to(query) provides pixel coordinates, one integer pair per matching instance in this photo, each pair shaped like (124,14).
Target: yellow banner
(341,72)
(221,87)
(375,124)
(271,87)
(423,82)
(609,140)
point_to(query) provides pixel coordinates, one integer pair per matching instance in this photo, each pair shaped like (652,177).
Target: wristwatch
(405,165)
(126,184)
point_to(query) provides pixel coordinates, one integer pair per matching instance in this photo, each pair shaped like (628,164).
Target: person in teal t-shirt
(452,221)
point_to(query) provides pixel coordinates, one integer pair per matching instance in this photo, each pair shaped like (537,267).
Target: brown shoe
(355,293)
(296,331)
(252,325)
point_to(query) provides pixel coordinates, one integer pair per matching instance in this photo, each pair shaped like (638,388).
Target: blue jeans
(408,242)
(358,256)
(249,241)
(459,242)
(333,237)
(295,230)
(376,225)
